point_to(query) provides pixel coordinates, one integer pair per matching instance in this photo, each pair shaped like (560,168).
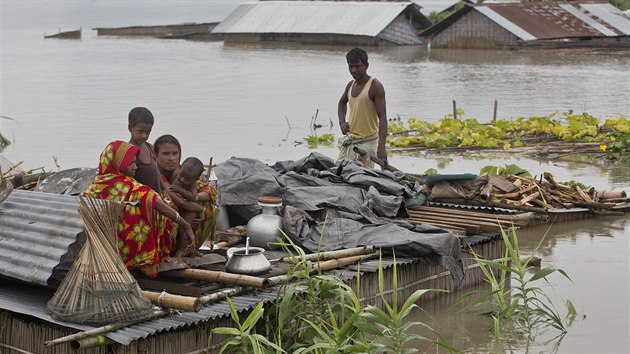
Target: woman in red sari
(145,229)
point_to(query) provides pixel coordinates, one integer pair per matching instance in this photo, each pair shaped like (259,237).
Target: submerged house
(532,25)
(370,23)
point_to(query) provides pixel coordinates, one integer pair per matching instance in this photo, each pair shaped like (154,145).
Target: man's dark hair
(140,115)
(357,54)
(195,164)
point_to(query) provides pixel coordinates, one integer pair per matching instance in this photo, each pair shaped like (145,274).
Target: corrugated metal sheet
(313,17)
(505,23)
(24,300)
(36,230)
(553,20)
(610,15)
(589,20)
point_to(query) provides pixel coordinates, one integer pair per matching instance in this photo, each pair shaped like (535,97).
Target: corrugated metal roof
(36,230)
(314,17)
(505,23)
(531,21)
(610,15)
(557,20)
(589,20)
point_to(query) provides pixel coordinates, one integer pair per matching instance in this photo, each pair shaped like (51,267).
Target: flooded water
(70,98)
(594,253)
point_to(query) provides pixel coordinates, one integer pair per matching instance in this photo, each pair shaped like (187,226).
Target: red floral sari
(144,235)
(206,227)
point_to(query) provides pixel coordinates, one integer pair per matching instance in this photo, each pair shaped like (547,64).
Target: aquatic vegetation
(613,133)
(519,303)
(316,140)
(508,170)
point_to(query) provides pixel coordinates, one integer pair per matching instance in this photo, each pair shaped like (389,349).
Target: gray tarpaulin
(350,204)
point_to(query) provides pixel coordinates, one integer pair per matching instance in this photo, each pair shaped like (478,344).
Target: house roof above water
(365,18)
(533,21)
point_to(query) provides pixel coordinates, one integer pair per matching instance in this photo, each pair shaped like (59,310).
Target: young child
(183,192)
(140,125)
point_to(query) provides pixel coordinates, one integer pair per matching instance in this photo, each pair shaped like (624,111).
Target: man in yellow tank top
(367,121)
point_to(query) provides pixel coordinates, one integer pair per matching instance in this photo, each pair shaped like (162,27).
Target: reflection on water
(594,253)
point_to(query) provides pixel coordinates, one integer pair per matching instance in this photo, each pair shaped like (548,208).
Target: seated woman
(168,151)
(144,231)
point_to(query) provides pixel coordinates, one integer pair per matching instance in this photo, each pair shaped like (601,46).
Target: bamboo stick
(323,256)
(448,212)
(171,301)
(223,294)
(527,199)
(464,217)
(583,195)
(323,266)
(101,330)
(219,277)
(90,342)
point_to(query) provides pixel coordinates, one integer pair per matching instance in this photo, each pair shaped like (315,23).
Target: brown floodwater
(68,99)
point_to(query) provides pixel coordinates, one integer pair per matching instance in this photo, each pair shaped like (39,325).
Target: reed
(516,297)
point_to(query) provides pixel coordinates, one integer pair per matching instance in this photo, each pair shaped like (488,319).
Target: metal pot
(265,228)
(247,261)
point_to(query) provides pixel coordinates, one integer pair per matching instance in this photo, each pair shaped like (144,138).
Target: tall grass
(517,298)
(319,313)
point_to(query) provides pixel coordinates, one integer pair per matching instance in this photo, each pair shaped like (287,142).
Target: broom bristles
(99,289)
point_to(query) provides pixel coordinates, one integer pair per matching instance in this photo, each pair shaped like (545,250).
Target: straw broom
(98,288)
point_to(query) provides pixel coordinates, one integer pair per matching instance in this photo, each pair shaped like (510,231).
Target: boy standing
(140,125)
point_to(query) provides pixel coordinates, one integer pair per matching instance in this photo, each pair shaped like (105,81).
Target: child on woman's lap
(183,192)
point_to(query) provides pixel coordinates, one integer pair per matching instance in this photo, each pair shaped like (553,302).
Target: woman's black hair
(166,139)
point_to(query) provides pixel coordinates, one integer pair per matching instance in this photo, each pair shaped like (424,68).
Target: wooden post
(454,109)
(494,114)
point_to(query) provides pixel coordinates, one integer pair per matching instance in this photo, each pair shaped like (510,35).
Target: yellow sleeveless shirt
(362,118)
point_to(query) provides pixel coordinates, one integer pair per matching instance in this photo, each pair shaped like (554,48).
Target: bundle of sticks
(547,193)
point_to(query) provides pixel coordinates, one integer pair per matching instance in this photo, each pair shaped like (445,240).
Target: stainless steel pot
(264,229)
(244,261)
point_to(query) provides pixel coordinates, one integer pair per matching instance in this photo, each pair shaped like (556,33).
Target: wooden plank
(503,184)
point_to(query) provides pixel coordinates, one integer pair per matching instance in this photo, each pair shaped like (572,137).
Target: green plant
(613,134)
(316,140)
(515,295)
(243,340)
(508,170)
(390,324)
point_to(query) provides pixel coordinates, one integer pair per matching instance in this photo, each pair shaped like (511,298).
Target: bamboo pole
(324,256)
(222,295)
(219,277)
(90,342)
(101,330)
(171,301)
(611,194)
(468,218)
(323,266)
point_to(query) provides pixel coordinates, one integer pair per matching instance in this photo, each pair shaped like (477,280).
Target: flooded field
(70,98)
